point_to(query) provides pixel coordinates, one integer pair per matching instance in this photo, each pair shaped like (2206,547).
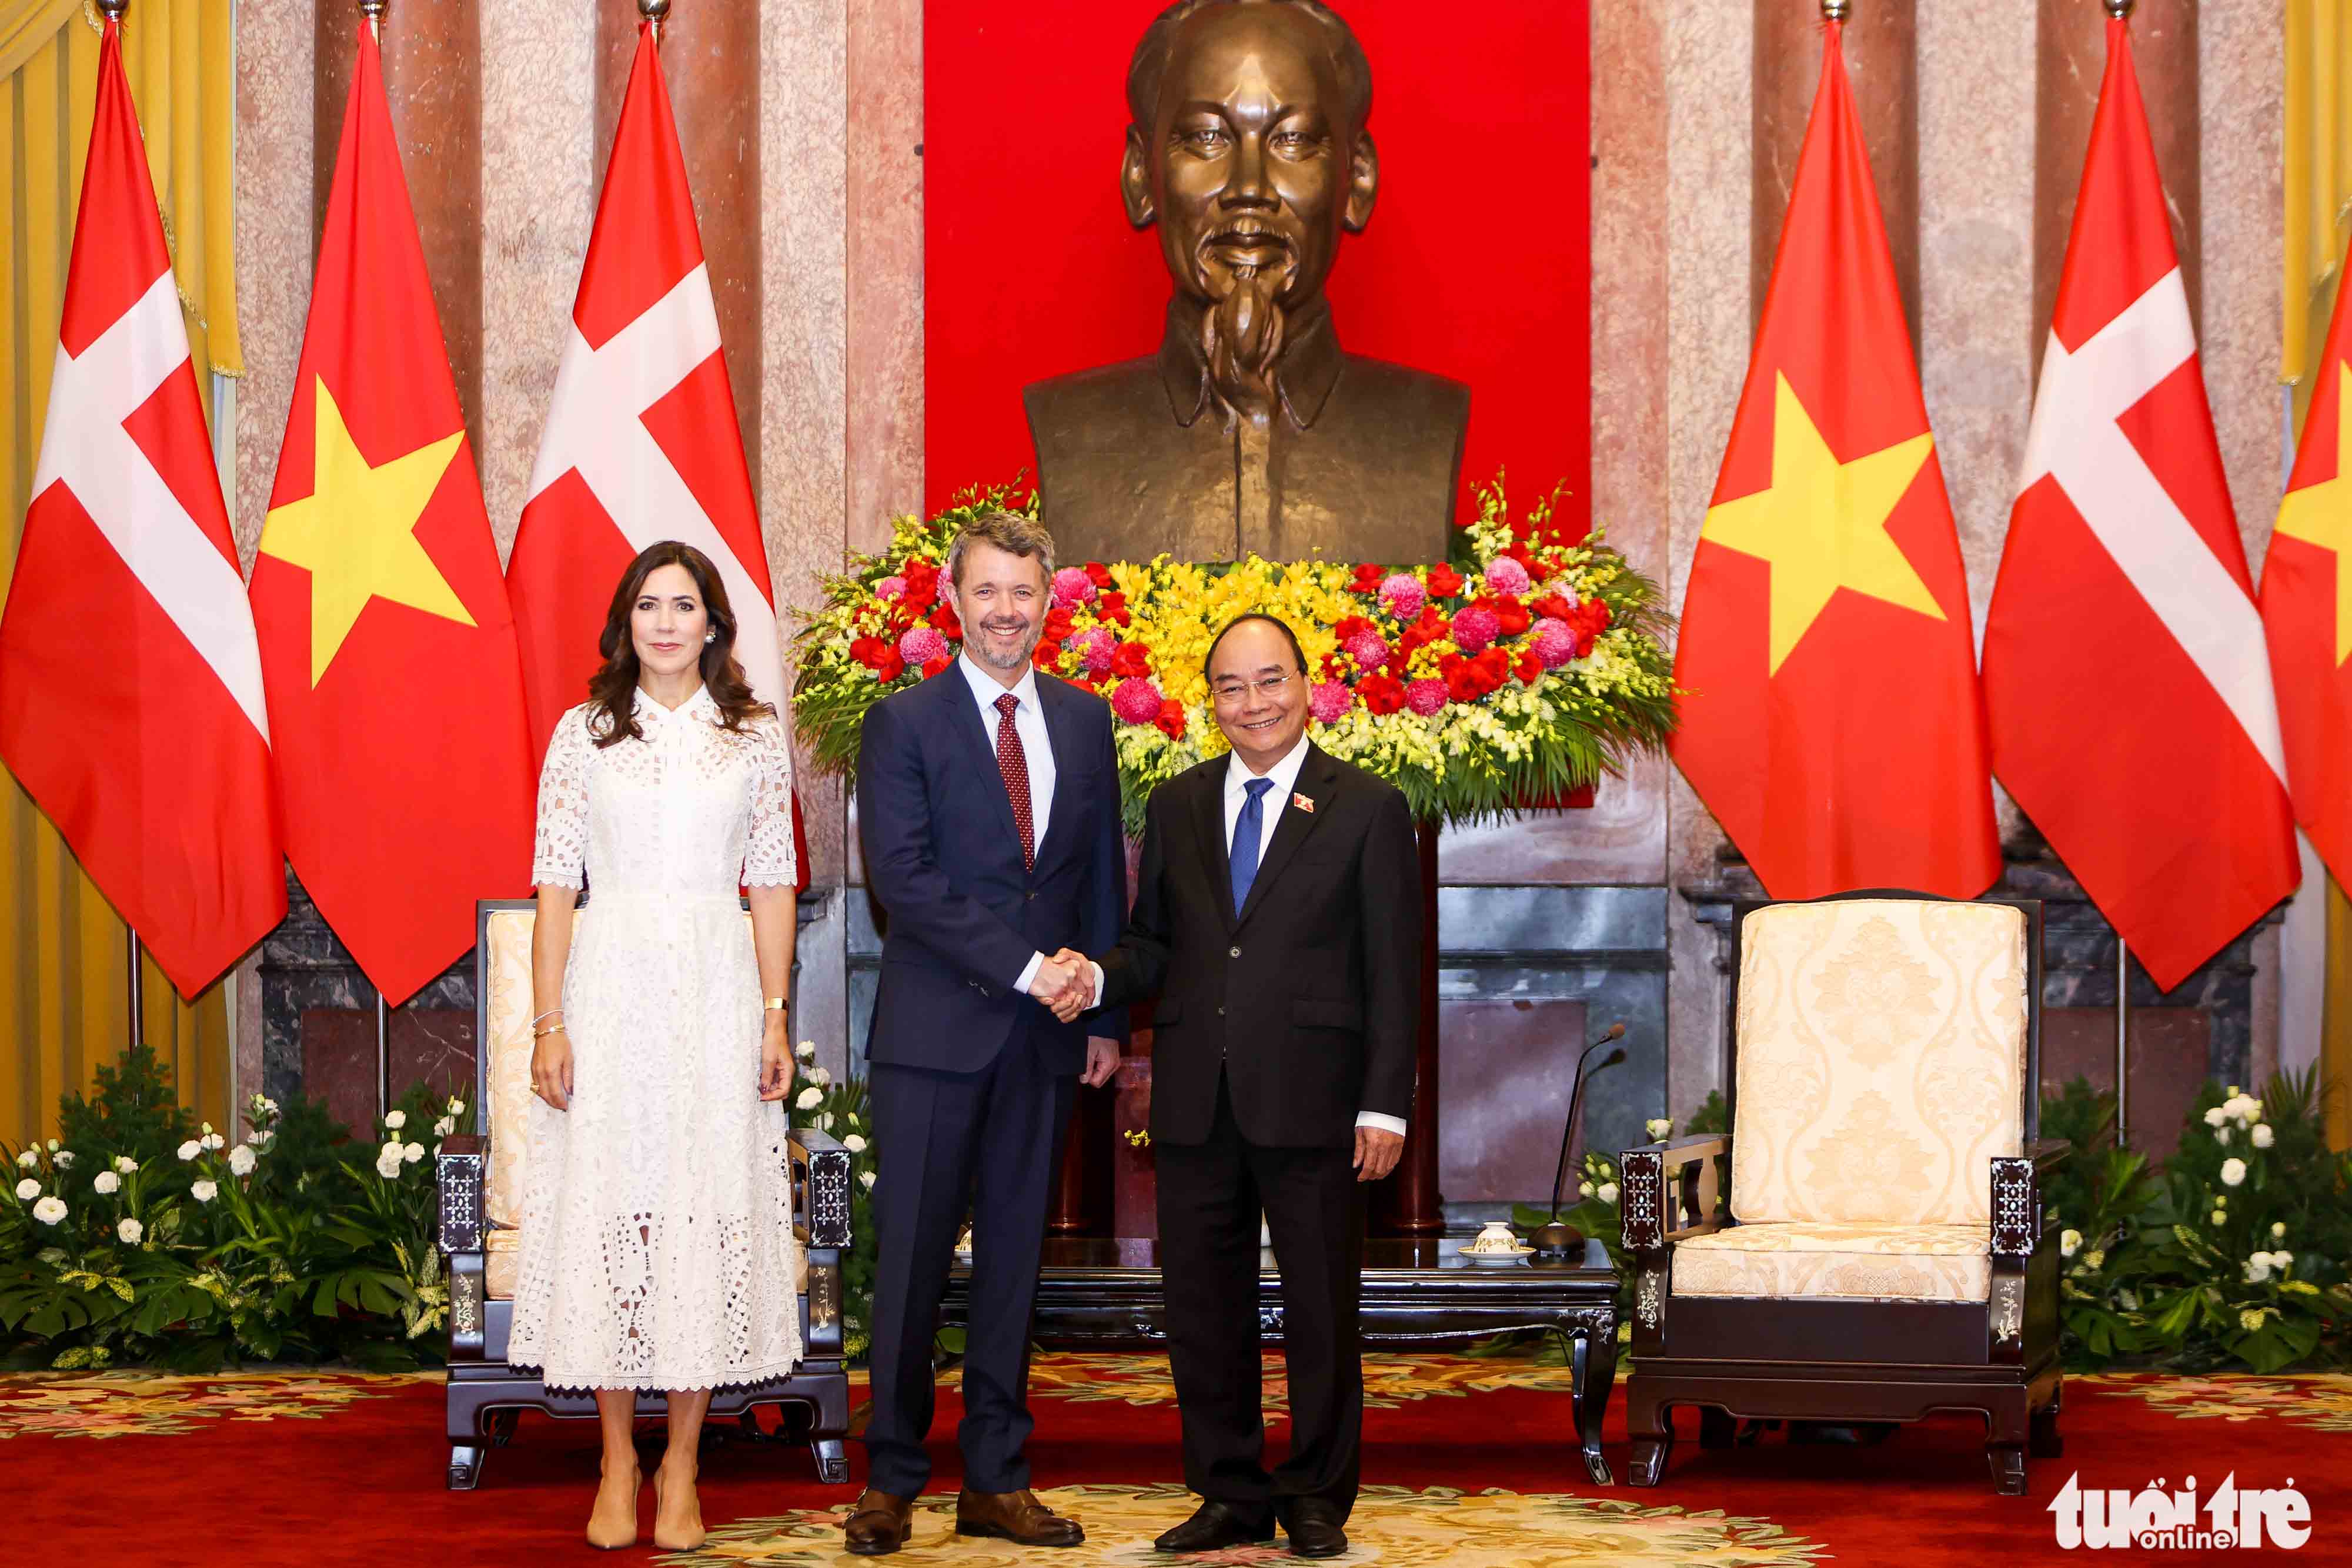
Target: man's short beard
(977,646)
(1242,336)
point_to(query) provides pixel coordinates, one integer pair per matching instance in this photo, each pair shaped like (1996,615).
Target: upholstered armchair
(482,1183)
(1884,1254)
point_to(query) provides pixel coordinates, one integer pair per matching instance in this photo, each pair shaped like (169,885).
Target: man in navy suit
(988,807)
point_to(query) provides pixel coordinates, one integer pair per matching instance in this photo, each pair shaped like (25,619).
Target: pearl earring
(710,636)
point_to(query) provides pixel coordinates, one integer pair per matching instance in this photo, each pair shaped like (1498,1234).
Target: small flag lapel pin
(1302,802)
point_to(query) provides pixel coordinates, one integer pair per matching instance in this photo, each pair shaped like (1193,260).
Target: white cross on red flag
(641,443)
(2124,672)
(131,696)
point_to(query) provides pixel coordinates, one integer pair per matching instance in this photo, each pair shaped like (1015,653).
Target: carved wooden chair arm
(465,1231)
(819,1168)
(2017,1182)
(1671,1189)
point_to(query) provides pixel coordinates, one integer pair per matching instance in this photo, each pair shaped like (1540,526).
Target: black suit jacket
(943,858)
(1309,995)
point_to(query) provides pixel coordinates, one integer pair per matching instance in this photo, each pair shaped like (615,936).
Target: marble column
(710,61)
(885,297)
(1882,61)
(432,84)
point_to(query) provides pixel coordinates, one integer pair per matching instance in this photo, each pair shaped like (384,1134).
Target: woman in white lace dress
(656,1238)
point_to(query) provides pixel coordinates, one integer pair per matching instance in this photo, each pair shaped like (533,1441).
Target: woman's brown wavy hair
(613,688)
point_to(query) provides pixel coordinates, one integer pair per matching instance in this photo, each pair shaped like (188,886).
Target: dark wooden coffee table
(1103,1294)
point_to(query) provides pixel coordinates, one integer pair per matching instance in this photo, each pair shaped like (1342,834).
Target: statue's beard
(1241,339)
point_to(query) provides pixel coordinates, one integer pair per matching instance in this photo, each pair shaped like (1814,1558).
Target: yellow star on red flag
(2321,514)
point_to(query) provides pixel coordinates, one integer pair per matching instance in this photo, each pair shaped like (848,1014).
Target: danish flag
(131,696)
(2125,677)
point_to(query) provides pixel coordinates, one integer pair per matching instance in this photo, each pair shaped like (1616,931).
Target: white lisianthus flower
(49,1210)
(2221,1136)
(1584,1189)
(396,1120)
(820,1077)
(2215,1115)
(412,1153)
(125,1164)
(1606,1192)
(456,1107)
(28,1159)
(853,1143)
(214,1140)
(2258,1269)
(2282,1262)
(2232,1172)
(866,1178)
(105,1184)
(2261,1137)
(2278,1229)
(805,1051)
(811,1098)
(241,1161)
(444,1126)
(2069,1240)
(190,1149)
(129,1230)
(29,1189)
(65,1159)
(825,1121)
(388,1161)
(259,1137)
(204,1191)
(1658,1128)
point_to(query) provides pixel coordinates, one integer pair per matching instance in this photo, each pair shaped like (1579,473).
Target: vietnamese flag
(1834,723)
(2307,609)
(387,649)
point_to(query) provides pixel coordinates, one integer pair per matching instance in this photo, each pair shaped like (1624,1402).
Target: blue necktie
(1247,831)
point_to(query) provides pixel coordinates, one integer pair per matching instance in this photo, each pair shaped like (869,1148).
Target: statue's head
(1247,145)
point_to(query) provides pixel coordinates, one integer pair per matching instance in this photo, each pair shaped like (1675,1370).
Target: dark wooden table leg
(1592,1379)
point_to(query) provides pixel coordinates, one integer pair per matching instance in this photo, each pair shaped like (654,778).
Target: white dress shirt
(1285,774)
(1036,749)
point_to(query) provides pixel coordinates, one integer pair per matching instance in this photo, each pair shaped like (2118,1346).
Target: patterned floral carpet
(1469,1463)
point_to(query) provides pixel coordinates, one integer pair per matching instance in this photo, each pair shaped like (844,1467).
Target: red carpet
(1466,1462)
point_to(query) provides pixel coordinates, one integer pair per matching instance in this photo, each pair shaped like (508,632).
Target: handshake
(1066,983)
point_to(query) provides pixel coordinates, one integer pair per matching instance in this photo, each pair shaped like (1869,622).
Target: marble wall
(1974,109)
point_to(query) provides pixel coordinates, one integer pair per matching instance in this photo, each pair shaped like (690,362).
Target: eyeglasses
(1266,686)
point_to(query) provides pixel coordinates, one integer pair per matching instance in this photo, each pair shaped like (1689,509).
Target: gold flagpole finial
(373,11)
(1835,10)
(2119,10)
(655,12)
(113,9)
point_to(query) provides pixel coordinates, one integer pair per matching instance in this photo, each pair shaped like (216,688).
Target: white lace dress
(657,1246)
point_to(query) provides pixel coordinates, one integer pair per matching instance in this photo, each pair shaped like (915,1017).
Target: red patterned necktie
(1013,763)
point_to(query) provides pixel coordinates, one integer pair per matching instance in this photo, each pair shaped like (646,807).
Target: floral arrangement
(1524,673)
(145,1236)
(839,1107)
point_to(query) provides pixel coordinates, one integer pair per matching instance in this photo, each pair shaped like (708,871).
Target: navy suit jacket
(943,859)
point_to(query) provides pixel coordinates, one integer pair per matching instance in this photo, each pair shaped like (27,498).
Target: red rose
(869,650)
(1112,607)
(934,666)
(1098,574)
(944,616)
(1495,664)
(1348,627)
(1131,659)
(1510,615)
(1463,686)
(1445,582)
(1541,569)
(1368,578)
(889,667)
(1381,694)
(1596,616)
(1047,653)
(1172,719)
(1059,624)
(1530,670)
(1555,606)
(922,584)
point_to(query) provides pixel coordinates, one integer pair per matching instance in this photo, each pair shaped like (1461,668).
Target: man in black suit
(988,807)
(1277,918)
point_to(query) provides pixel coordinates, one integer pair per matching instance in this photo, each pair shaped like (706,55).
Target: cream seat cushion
(507,1042)
(1881,1061)
(1910,1262)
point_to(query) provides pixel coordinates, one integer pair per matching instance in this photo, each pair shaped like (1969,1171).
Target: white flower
(65,1159)
(214,1140)
(805,1051)
(28,1159)
(396,1120)
(2258,1269)
(190,1149)
(1658,1128)
(105,1184)
(811,1098)
(29,1189)
(1584,1189)
(853,1143)
(204,1191)
(444,1126)
(129,1230)
(2220,1218)
(125,1164)
(241,1161)
(49,1210)
(456,1107)
(2068,1240)
(2232,1172)
(2221,1136)
(866,1178)
(825,1121)
(259,1137)
(412,1153)
(2278,1229)
(388,1161)
(2262,1136)
(1606,1192)
(2216,1115)
(820,1077)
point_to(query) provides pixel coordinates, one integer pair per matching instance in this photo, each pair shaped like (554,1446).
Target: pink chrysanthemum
(1073,587)
(921,645)
(1329,702)
(1425,697)
(1553,643)
(890,587)
(1402,596)
(1506,575)
(1369,650)
(1473,628)
(1136,700)
(1095,647)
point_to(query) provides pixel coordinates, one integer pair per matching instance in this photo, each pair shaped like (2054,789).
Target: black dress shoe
(1314,1528)
(1215,1526)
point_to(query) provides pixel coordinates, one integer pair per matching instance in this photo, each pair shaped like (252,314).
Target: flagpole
(382,1057)
(373,11)
(138,993)
(655,12)
(2123,1035)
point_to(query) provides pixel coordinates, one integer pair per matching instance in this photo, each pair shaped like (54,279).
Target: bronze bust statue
(1251,430)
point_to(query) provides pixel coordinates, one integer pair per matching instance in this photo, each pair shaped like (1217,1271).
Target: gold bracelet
(776,1004)
(544,1033)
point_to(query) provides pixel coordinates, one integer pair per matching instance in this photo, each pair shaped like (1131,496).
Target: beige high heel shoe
(610,1530)
(686,1539)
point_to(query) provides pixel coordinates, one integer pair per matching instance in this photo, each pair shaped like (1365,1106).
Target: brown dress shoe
(1015,1516)
(879,1524)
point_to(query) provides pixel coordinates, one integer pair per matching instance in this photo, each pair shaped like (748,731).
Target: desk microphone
(1553,1236)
